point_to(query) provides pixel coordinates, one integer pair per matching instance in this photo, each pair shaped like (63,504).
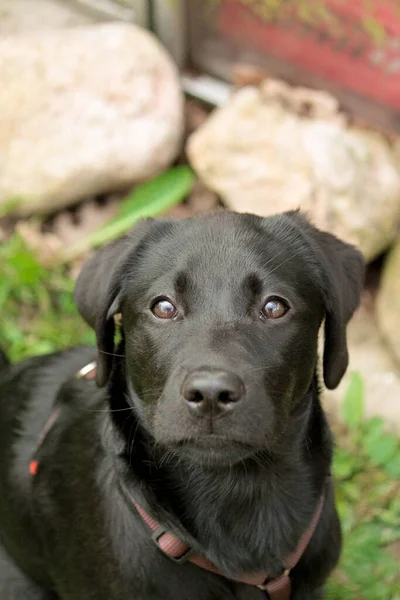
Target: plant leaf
(343,464)
(392,467)
(382,448)
(149,199)
(353,404)
(373,427)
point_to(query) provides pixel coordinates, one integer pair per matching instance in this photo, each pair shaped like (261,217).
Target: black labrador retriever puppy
(198,467)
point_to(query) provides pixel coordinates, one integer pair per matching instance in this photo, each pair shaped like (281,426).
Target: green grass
(37,312)
(367,474)
(37,315)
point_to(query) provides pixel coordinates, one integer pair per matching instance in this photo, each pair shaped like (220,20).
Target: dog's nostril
(227,396)
(194,396)
(211,391)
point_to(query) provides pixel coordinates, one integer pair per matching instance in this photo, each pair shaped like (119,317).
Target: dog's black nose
(212,391)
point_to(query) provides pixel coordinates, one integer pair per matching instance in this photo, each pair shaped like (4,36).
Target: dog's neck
(245,517)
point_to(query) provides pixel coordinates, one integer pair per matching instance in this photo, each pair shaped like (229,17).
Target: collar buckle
(184,557)
(264,586)
(87,372)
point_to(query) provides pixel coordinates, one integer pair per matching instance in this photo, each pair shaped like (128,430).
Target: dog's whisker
(273,258)
(131,438)
(110,410)
(111,353)
(255,369)
(284,262)
(151,395)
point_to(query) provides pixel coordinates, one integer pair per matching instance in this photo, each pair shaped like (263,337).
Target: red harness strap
(87,372)
(277,589)
(178,551)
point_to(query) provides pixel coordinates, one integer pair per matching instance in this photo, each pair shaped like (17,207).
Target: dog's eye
(274,308)
(164,309)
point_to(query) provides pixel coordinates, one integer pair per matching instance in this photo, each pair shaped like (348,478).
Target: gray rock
(84,111)
(388,302)
(263,157)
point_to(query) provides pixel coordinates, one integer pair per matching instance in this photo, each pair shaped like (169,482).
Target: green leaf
(166,189)
(373,427)
(353,404)
(343,464)
(351,491)
(346,513)
(5,291)
(148,200)
(391,517)
(337,590)
(22,267)
(392,467)
(382,449)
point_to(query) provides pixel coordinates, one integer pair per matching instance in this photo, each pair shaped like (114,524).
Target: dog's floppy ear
(342,270)
(97,292)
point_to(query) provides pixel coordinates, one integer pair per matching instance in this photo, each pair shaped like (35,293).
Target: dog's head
(220,320)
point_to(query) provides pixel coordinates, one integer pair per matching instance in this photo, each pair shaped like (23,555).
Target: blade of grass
(150,199)
(353,404)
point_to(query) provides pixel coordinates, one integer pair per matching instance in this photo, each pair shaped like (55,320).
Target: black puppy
(200,468)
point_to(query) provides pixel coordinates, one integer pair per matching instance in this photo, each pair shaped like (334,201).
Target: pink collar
(178,551)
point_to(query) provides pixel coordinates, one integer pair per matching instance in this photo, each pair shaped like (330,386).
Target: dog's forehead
(226,248)
(225,233)
(237,248)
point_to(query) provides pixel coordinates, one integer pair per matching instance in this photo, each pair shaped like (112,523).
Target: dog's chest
(96,548)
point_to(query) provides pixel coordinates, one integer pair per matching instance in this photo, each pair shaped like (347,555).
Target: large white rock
(262,157)
(17,16)
(388,302)
(84,111)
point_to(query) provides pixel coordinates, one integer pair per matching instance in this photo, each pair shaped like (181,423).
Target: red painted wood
(347,57)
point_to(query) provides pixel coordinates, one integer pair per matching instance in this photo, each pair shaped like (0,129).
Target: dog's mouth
(212,449)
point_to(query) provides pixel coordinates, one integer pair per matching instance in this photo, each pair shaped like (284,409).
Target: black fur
(241,486)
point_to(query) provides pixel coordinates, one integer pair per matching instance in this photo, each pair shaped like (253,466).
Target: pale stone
(18,16)
(388,303)
(263,157)
(84,111)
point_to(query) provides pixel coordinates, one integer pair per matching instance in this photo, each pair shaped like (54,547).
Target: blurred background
(111,110)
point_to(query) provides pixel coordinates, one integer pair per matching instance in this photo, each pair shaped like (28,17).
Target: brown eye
(274,308)
(164,309)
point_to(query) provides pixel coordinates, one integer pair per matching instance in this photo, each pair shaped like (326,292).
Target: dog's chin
(211,451)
